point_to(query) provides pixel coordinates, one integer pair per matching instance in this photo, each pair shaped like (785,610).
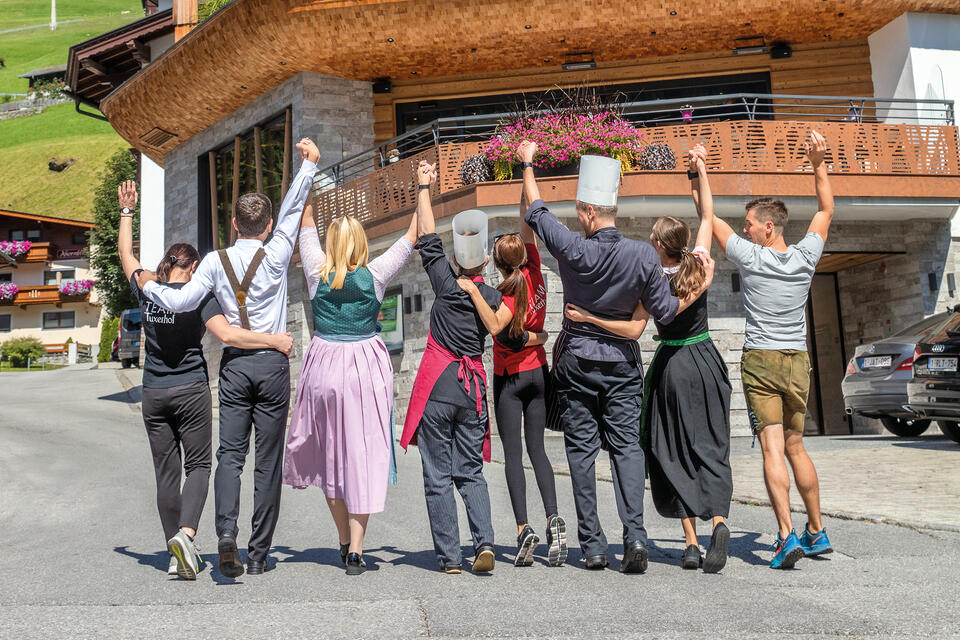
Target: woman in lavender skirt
(341,434)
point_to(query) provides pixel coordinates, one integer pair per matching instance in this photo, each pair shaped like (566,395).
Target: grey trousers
(254,391)
(179,418)
(600,405)
(450,439)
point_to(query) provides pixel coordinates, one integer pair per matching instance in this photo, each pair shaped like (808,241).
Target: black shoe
(230,564)
(596,562)
(634,558)
(485,559)
(452,569)
(717,553)
(355,564)
(527,543)
(556,541)
(256,567)
(344,550)
(691,557)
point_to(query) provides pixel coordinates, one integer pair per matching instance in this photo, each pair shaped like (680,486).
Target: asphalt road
(81,555)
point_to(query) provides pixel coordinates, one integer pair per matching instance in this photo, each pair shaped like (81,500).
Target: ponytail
(674,235)
(180,255)
(509,255)
(689,277)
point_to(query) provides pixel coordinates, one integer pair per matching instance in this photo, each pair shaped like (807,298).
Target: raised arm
(127,198)
(816,149)
(561,242)
(243,339)
(188,297)
(526,231)
(426,175)
(280,247)
(702,196)
(306,218)
(526,151)
(494,321)
(632,328)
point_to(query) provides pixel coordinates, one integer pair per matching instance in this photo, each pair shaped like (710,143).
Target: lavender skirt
(341,434)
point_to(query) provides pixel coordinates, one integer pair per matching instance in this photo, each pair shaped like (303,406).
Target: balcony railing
(743,133)
(43,294)
(40,252)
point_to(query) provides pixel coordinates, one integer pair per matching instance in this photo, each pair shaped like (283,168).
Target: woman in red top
(519,389)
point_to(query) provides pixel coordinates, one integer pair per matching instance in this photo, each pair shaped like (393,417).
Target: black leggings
(179,418)
(520,398)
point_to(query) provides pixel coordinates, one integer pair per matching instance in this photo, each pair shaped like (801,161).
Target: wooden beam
(236,180)
(258,154)
(185,17)
(94,67)
(287,150)
(140,51)
(214,208)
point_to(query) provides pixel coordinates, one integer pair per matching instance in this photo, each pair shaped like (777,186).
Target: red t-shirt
(506,361)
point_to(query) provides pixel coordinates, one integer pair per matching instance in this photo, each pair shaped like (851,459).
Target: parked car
(129,351)
(115,350)
(934,392)
(875,385)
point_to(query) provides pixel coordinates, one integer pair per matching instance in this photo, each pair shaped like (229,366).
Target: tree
(19,350)
(111,283)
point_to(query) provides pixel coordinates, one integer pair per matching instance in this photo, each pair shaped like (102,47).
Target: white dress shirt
(267,295)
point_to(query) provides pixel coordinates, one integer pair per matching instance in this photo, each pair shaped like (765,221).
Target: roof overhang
(251,46)
(48,219)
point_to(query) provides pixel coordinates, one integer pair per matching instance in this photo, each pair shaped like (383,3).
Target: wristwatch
(126,211)
(422,186)
(692,175)
(524,165)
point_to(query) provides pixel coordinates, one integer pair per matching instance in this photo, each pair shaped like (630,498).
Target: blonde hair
(346,248)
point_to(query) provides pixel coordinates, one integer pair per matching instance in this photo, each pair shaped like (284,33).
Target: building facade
(385,91)
(47,266)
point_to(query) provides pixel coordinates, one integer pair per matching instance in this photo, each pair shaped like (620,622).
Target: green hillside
(27,143)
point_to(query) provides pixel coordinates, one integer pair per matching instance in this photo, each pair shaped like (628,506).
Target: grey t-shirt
(775,286)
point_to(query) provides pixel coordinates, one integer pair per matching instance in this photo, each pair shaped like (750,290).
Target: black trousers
(600,405)
(254,391)
(179,418)
(450,439)
(520,404)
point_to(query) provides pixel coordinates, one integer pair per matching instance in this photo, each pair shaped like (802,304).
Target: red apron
(435,360)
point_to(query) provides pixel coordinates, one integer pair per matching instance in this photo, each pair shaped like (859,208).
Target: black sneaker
(485,559)
(717,552)
(527,543)
(557,541)
(691,557)
(634,558)
(355,564)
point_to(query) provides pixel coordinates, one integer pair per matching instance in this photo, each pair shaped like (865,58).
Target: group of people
(672,422)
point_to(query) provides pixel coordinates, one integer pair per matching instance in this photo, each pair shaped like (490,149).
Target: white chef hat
(599,181)
(470,238)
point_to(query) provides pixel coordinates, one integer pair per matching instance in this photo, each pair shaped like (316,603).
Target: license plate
(942,364)
(136,344)
(877,362)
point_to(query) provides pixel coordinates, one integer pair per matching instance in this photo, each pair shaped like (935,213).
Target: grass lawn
(5,367)
(24,51)
(26,145)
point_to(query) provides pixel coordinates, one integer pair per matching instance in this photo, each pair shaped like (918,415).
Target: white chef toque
(599,181)
(470,238)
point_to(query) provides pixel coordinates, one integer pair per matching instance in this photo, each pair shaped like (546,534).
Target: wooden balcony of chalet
(40,252)
(747,156)
(43,294)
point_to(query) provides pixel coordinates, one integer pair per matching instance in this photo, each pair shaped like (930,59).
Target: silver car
(875,385)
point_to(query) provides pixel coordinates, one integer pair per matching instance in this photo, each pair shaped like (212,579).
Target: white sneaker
(172,569)
(185,551)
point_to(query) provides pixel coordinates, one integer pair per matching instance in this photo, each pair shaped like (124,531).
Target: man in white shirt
(254,385)
(775,366)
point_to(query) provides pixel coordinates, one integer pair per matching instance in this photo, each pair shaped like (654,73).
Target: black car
(934,391)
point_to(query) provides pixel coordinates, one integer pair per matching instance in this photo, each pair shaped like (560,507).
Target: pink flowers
(8,290)
(15,248)
(563,137)
(76,287)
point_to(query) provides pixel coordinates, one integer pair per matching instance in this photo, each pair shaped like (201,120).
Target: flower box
(15,248)
(8,291)
(75,287)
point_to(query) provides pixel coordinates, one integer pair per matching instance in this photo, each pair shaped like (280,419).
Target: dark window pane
(68,319)
(5,322)
(6,277)
(51,320)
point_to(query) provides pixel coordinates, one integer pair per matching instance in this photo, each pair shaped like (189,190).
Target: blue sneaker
(815,544)
(786,552)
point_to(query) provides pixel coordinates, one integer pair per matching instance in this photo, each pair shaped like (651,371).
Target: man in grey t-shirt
(775,367)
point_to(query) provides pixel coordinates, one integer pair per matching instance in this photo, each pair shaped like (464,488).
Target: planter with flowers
(8,291)
(563,137)
(15,248)
(75,287)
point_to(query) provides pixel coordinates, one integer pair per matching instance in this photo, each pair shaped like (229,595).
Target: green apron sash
(648,378)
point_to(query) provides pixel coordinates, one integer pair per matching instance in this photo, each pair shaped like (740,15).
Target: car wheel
(125,363)
(904,427)
(950,429)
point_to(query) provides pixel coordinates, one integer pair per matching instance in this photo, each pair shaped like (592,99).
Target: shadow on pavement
(943,444)
(157,560)
(130,396)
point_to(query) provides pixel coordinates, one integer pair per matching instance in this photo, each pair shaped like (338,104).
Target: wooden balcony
(40,252)
(43,294)
(745,157)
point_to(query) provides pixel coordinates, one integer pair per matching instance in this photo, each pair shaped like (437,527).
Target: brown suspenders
(240,288)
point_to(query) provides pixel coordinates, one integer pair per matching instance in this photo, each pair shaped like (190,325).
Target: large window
(6,322)
(413,114)
(241,166)
(59,320)
(66,275)
(33,235)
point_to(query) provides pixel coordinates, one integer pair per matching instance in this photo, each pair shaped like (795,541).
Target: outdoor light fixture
(579,66)
(745,51)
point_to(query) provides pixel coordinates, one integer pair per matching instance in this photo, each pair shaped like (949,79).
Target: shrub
(17,350)
(108,331)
